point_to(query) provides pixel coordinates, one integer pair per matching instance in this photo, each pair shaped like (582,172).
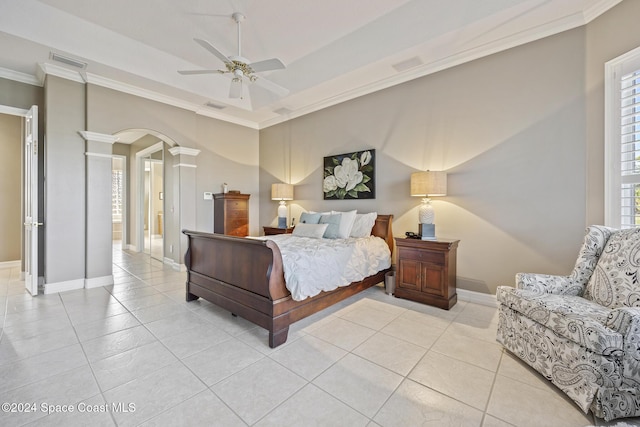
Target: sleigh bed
(246,277)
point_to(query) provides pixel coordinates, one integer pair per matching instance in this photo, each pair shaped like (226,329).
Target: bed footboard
(244,276)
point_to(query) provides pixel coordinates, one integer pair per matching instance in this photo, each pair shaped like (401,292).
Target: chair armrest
(626,320)
(548,284)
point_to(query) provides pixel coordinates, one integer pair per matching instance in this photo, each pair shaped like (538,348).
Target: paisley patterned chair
(582,331)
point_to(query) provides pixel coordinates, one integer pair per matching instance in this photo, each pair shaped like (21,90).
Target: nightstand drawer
(421,255)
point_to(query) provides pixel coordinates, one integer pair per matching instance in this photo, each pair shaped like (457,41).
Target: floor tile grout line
(493,384)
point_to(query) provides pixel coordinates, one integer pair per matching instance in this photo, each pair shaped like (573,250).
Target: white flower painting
(349,176)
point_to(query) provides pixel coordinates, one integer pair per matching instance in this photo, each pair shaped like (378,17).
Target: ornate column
(183,209)
(99,246)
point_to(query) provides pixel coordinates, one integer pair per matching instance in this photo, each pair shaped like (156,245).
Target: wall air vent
(68,61)
(409,63)
(216,106)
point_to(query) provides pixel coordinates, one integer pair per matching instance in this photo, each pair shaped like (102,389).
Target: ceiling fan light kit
(240,67)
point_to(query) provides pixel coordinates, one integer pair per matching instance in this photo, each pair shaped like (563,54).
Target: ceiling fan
(241,68)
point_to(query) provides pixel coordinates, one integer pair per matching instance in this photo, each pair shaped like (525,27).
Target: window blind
(630,149)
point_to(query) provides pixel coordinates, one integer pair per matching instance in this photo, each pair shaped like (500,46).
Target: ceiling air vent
(409,63)
(68,61)
(282,111)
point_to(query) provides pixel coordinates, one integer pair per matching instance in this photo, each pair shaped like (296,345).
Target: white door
(31,201)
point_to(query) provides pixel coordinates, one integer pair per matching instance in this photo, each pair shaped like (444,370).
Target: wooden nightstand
(270,231)
(426,271)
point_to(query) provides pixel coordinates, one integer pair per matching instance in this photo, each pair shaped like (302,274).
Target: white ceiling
(334,50)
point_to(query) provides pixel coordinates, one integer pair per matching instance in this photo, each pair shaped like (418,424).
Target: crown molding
(83,77)
(595,9)
(17,76)
(527,36)
(598,8)
(165,99)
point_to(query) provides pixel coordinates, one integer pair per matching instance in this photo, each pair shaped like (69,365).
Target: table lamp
(425,184)
(281,191)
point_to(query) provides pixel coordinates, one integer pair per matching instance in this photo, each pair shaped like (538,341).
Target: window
(622,141)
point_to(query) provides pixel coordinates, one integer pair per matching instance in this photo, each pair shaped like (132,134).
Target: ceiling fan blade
(267,65)
(205,44)
(235,90)
(189,72)
(271,86)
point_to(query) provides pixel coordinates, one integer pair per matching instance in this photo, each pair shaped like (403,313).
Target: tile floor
(138,348)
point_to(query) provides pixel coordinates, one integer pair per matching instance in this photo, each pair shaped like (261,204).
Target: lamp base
(282,222)
(427,231)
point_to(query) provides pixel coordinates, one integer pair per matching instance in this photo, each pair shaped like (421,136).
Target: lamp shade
(281,191)
(429,183)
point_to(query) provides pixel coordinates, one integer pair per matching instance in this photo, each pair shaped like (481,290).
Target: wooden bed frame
(245,276)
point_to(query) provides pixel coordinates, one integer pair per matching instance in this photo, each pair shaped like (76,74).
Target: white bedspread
(315,265)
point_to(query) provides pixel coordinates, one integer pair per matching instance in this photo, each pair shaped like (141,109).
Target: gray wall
(510,131)
(229,153)
(10,188)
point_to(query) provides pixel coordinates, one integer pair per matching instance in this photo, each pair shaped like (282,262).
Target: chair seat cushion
(575,318)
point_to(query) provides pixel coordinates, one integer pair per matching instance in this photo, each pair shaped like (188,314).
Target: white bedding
(315,265)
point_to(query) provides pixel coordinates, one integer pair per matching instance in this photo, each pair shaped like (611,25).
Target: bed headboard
(382,229)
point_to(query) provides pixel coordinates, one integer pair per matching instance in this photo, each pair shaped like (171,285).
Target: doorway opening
(150,217)
(148,208)
(153,205)
(118,200)
(20,221)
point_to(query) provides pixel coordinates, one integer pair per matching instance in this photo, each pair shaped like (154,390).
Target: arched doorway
(142,192)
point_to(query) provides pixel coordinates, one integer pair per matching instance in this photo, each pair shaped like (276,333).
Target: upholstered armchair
(582,331)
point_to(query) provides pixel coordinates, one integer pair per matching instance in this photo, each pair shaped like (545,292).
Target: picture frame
(350,176)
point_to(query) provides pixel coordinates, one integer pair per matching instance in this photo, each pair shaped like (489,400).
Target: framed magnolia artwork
(350,176)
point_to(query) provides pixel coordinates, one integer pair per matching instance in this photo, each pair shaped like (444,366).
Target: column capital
(184,150)
(98,137)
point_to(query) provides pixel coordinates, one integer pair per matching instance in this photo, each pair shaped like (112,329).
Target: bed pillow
(363,224)
(346,223)
(310,218)
(333,226)
(315,231)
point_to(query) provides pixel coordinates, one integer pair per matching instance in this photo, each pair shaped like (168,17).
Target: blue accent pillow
(310,218)
(333,229)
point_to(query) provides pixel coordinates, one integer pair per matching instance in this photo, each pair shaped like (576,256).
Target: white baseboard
(477,297)
(10,264)
(69,285)
(96,282)
(132,248)
(174,265)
